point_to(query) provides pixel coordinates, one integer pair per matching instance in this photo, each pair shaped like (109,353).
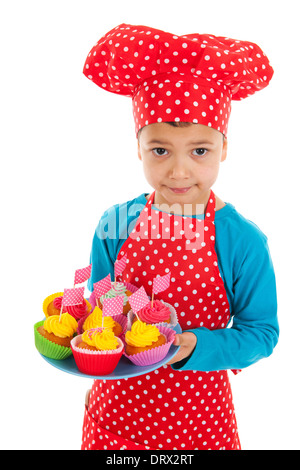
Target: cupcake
(118,288)
(147,344)
(156,313)
(94,320)
(52,306)
(97,351)
(53,336)
(142,337)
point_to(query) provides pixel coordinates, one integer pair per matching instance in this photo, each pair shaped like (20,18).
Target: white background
(68,152)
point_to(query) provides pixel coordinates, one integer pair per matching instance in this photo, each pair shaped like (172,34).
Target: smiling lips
(180,190)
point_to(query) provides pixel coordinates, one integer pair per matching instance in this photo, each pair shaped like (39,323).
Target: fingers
(177,340)
(185,339)
(87,397)
(187,342)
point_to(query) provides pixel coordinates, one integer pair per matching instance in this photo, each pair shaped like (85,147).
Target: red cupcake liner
(96,362)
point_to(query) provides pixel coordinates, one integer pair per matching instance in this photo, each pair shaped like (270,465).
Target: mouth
(180,190)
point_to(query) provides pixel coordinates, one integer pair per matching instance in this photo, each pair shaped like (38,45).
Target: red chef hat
(190,78)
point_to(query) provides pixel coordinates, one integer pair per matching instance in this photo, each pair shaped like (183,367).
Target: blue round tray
(124,369)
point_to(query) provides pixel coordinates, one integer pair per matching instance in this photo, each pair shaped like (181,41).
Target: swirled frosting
(94,320)
(77,311)
(158,313)
(141,334)
(117,289)
(102,339)
(64,328)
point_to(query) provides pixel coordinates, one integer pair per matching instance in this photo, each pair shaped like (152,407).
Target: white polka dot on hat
(190,78)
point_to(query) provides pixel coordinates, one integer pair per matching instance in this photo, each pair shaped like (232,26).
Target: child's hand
(87,397)
(187,342)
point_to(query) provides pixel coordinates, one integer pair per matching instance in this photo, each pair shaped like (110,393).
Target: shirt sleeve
(112,231)
(103,249)
(254,329)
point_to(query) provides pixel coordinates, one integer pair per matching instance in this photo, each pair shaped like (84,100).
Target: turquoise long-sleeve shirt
(247,271)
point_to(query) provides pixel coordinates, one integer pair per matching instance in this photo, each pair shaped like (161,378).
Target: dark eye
(159,151)
(199,152)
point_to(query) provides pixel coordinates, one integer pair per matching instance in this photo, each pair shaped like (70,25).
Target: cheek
(151,172)
(207,173)
(153,167)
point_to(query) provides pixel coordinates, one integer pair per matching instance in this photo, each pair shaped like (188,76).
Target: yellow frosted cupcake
(53,335)
(147,344)
(142,337)
(98,340)
(94,320)
(97,351)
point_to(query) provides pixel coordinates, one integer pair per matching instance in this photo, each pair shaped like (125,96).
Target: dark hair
(171,123)
(174,124)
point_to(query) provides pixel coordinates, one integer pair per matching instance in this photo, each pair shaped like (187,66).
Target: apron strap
(210,208)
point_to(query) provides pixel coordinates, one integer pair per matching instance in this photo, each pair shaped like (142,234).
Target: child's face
(181,163)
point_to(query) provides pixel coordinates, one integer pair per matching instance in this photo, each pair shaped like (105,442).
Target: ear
(139,151)
(224,150)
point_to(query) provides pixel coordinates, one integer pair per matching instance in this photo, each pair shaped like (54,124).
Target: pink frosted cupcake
(97,351)
(52,306)
(156,313)
(147,344)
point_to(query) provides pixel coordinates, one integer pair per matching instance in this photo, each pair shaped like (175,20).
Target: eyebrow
(202,142)
(160,142)
(155,141)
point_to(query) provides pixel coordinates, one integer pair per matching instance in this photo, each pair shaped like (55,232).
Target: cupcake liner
(96,362)
(151,356)
(51,297)
(47,348)
(173,322)
(130,287)
(122,319)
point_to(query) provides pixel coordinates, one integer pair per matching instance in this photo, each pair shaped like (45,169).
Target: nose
(179,169)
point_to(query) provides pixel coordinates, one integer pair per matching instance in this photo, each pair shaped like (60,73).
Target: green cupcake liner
(47,348)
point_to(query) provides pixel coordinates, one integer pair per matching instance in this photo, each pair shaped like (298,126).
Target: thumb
(179,340)
(185,339)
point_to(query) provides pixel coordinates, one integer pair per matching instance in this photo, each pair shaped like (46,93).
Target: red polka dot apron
(166,408)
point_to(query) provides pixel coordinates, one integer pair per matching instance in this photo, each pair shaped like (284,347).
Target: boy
(181,87)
